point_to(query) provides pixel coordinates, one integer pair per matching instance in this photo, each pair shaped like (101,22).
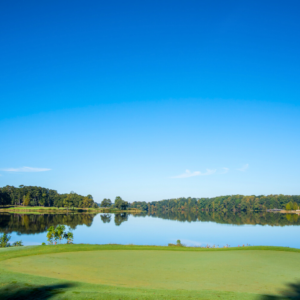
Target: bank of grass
(45,209)
(145,272)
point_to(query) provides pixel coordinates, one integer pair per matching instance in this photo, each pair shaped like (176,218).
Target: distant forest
(38,196)
(234,203)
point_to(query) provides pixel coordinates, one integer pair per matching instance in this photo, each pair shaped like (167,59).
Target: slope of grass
(96,272)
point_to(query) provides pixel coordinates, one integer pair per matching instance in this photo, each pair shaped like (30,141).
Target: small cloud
(188,173)
(26,169)
(225,170)
(243,168)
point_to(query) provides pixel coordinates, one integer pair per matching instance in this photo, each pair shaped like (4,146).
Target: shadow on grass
(30,292)
(291,293)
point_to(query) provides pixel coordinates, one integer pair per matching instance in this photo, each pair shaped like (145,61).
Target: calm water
(160,229)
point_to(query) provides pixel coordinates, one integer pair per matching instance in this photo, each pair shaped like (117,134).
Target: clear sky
(150,100)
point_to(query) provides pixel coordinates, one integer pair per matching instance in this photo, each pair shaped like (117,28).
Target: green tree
(295,206)
(56,234)
(59,232)
(26,201)
(105,203)
(69,200)
(4,240)
(17,244)
(121,204)
(51,235)
(288,206)
(69,237)
(87,202)
(4,198)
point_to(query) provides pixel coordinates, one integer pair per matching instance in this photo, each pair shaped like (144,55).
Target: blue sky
(151,100)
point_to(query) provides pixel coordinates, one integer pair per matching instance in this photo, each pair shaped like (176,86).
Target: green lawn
(48,209)
(146,272)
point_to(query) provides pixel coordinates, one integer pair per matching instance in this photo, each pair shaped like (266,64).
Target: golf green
(240,274)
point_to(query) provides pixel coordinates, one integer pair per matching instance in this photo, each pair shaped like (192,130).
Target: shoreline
(282,211)
(56,210)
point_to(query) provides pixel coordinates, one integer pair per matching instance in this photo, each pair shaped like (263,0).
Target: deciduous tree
(121,204)
(26,201)
(105,203)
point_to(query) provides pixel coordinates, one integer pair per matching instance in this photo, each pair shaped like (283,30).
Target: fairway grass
(146,272)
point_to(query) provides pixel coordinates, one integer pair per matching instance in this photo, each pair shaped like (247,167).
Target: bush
(4,241)
(17,244)
(58,233)
(176,245)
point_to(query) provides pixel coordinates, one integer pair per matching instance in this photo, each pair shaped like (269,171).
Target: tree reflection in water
(120,218)
(38,223)
(105,218)
(236,218)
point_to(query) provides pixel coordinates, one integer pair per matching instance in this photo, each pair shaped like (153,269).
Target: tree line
(232,203)
(39,196)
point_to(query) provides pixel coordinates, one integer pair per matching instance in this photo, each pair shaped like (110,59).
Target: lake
(201,229)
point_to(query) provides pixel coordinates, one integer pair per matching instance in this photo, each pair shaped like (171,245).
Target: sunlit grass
(149,272)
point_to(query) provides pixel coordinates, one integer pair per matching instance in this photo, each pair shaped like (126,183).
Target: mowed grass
(144,272)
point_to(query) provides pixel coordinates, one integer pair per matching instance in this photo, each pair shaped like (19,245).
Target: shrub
(58,233)
(4,241)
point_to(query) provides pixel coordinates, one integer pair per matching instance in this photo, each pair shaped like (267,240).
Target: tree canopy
(120,203)
(39,196)
(106,203)
(221,203)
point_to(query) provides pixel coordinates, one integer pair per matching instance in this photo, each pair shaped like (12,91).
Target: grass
(33,208)
(36,209)
(145,272)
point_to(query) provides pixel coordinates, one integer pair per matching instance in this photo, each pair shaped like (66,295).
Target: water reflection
(38,223)
(120,218)
(237,218)
(105,218)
